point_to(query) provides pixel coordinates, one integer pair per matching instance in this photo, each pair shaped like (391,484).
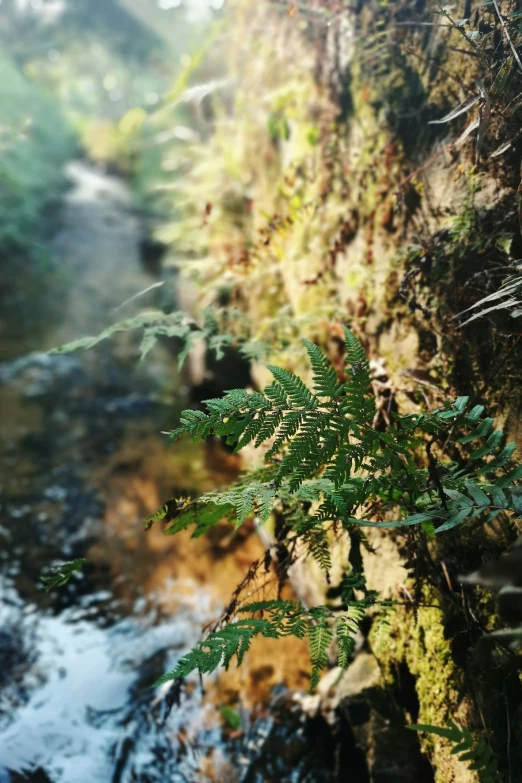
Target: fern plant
(328,469)
(219,328)
(477,752)
(320,625)
(155,324)
(323,447)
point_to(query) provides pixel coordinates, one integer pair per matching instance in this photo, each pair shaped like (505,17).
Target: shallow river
(83,463)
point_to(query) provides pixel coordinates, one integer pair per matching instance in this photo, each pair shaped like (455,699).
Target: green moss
(421,645)
(378,176)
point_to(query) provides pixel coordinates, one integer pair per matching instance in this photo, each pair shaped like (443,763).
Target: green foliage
(160,514)
(60,575)
(274,619)
(156,324)
(477,752)
(326,466)
(231,716)
(278,127)
(34,145)
(324,448)
(319,640)
(220,647)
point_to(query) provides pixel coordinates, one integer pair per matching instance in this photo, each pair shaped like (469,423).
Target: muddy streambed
(83,463)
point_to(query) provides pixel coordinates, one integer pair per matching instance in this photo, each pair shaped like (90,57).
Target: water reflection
(83,465)
(80,705)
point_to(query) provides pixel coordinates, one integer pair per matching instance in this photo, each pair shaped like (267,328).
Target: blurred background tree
(70,71)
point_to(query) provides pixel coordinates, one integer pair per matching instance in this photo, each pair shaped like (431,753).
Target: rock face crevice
(438,230)
(339,196)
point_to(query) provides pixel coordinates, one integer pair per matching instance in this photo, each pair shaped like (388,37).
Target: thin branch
(512,45)
(468,40)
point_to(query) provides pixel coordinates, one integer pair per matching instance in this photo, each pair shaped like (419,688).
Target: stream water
(83,463)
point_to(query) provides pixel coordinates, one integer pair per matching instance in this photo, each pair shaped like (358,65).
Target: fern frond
(289,426)
(255,498)
(319,640)
(277,395)
(477,752)
(287,618)
(346,629)
(203,514)
(355,354)
(298,393)
(318,546)
(324,375)
(219,648)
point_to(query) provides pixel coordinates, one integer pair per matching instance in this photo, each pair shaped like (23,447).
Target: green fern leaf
(467,749)
(298,394)
(325,377)
(219,649)
(319,640)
